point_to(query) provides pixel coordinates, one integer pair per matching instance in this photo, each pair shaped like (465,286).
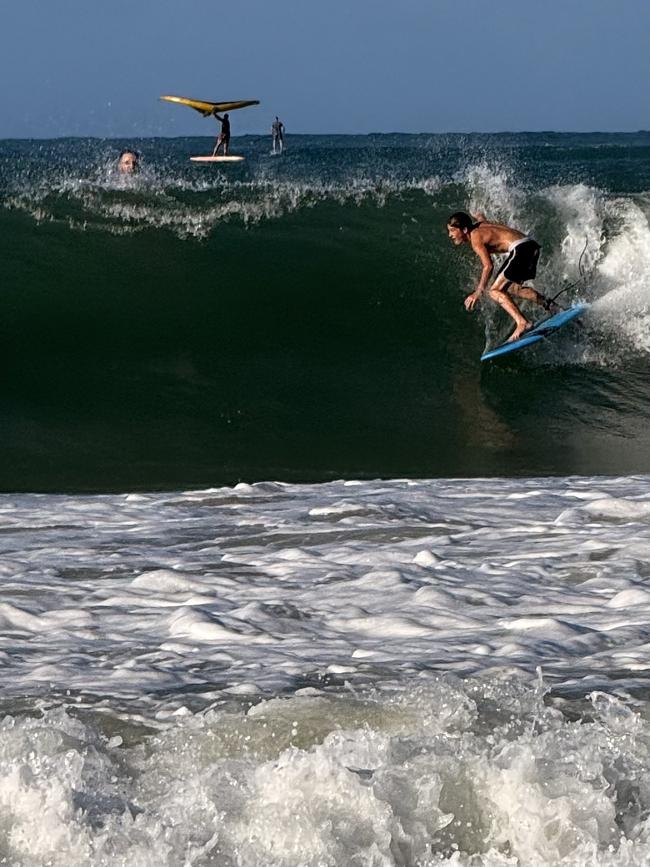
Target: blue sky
(97,67)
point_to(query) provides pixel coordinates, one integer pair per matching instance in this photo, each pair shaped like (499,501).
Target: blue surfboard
(540,331)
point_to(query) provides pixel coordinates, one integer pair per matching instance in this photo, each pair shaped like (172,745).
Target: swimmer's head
(128,162)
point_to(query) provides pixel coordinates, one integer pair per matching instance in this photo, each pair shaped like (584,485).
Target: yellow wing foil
(207,108)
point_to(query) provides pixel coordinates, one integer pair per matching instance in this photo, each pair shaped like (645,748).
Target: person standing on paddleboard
(277,134)
(223,138)
(488,239)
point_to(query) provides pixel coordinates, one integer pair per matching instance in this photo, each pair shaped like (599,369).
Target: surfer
(277,134)
(128,162)
(223,138)
(488,239)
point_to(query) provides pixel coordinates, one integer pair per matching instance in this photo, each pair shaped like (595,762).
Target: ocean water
(287,578)
(301,318)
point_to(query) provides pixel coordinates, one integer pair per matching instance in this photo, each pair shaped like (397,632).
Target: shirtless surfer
(488,239)
(223,139)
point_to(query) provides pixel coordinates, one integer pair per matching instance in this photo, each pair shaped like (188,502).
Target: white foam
(435,591)
(276,696)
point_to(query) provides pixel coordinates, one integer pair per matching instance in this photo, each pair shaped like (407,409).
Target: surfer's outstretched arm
(486,260)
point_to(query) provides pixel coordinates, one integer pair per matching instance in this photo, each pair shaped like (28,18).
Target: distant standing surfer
(277,135)
(488,239)
(223,139)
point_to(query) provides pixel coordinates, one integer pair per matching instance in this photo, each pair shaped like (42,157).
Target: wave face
(300,317)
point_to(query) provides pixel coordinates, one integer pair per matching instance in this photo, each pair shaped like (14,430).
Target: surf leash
(582,276)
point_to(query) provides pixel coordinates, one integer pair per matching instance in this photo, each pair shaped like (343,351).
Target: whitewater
(405,672)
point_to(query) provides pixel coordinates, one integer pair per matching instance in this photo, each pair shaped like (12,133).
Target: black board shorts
(521,261)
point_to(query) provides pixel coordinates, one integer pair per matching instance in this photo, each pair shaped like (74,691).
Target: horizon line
(339,134)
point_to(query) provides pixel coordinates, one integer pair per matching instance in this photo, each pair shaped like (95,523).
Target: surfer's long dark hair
(461,220)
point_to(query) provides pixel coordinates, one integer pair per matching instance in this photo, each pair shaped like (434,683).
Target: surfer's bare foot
(520,330)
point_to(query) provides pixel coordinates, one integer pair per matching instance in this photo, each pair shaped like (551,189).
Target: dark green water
(300,318)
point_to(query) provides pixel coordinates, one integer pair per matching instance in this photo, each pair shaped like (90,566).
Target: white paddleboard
(228,159)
